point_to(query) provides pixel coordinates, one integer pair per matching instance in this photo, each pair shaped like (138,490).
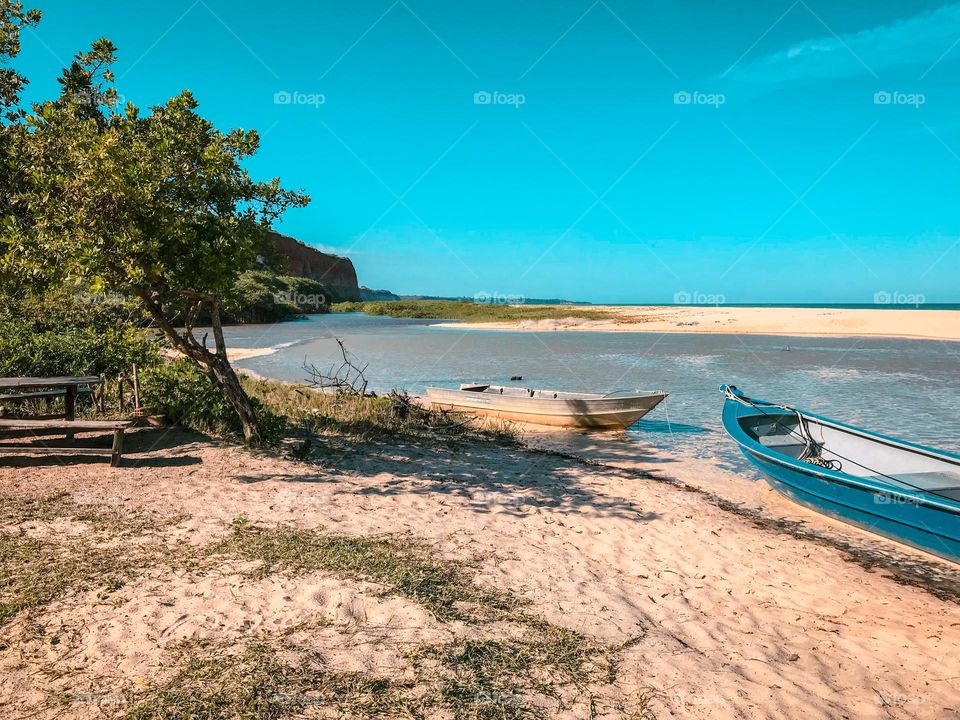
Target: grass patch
(510,679)
(468,679)
(404,567)
(530,666)
(470,311)
(36,571)
(367,417)
(108,520)
(262,683)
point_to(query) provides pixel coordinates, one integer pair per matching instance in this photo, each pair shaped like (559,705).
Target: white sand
(736,619)
(926,324)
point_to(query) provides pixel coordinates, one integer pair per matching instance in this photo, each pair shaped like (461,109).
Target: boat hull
(600,413)
(903,516)
(889,515)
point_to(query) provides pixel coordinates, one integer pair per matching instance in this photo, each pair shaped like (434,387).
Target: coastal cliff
(335,272)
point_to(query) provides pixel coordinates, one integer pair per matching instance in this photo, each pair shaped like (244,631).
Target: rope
(812,446)
(812,450)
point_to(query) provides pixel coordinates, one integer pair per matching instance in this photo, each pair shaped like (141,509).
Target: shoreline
(943,325)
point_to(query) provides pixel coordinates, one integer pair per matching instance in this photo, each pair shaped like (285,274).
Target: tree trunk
(214,365)
(223,375)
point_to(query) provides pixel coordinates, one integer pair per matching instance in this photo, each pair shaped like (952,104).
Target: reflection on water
(905,388)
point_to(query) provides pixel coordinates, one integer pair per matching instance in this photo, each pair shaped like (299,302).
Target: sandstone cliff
(300,260)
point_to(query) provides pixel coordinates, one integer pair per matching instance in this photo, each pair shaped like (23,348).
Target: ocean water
(904,388)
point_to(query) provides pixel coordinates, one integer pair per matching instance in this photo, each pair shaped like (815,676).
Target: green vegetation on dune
(471,311)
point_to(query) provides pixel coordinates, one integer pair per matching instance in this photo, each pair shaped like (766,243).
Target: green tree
(13,18)
(157,205)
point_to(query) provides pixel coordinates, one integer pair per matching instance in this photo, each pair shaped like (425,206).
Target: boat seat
(786,444)
(944,483)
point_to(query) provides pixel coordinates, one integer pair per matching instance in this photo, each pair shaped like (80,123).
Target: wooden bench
(42,395)
(16,387)
(68,427)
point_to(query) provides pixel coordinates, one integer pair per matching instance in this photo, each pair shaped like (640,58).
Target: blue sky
(609,151)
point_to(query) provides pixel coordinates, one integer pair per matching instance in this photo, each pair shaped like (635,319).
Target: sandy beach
(716,598)
(927,324)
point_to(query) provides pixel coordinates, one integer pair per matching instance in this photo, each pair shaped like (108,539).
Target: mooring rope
(812,449)
(810,443)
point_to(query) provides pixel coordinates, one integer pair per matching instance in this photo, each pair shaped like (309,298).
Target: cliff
(286,255)
(291,257)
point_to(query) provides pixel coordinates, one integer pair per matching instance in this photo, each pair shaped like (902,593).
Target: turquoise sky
(609,151)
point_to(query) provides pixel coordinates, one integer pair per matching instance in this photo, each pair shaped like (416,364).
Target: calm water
(905,388)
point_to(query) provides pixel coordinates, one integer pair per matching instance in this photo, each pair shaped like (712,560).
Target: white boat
(548,407)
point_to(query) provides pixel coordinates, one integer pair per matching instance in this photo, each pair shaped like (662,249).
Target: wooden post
(136,390)
(70,407)
(70,402)
(117,449)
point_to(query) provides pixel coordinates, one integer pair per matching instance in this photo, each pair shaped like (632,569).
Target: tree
(13,18)
(155,205)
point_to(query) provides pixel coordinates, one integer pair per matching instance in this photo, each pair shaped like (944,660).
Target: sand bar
(919,323)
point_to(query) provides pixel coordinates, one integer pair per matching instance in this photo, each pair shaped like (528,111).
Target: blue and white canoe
(903,491)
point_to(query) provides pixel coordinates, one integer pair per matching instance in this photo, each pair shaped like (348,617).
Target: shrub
(260,296)
(72,350)
(187,397)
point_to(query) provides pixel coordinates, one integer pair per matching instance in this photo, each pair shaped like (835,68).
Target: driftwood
(348,378)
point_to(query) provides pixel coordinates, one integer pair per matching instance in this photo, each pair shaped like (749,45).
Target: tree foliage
(153,204)
(13,18)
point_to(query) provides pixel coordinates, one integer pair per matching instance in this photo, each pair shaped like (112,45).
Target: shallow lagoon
(906,388)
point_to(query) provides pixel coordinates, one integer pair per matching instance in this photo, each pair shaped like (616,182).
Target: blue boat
(903,491)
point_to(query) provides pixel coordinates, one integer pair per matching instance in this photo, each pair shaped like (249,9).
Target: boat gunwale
(586,397)
(756,448)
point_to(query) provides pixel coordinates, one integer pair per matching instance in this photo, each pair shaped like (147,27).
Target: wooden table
(24,388)
(27,388)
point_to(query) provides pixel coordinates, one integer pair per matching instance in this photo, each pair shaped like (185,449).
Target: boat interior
(519,392)
(855,453)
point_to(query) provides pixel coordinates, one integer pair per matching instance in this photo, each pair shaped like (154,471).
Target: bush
(72,350)
(260,296)
(187,397)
